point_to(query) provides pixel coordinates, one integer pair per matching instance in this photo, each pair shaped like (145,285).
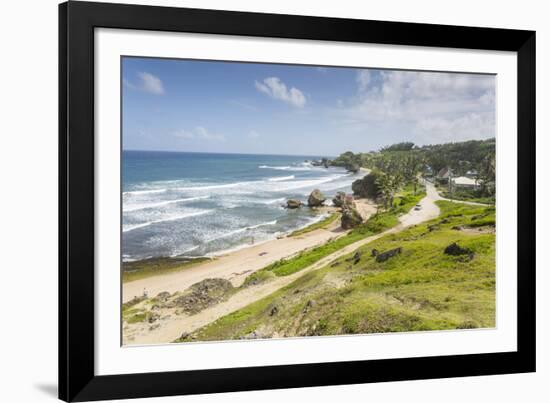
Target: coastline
(151,319)
(235,265)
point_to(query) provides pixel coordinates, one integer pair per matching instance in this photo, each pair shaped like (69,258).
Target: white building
(464,182)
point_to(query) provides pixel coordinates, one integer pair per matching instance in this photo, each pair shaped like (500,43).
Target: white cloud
(275,88)
(473,126)
(363,79)
(147,82)
(434,107)
(253,134)
(199,133)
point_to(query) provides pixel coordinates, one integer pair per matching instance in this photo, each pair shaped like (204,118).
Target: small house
(464,182)
(443,175)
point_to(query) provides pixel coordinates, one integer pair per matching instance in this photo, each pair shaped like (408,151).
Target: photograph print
(267,201)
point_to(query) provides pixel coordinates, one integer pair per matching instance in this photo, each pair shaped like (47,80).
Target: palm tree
(389,184)
(487,172)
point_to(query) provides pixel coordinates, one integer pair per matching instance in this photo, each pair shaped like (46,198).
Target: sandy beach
(237,265)
(231,267)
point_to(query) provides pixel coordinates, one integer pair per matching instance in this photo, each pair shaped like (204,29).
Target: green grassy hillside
(422,288)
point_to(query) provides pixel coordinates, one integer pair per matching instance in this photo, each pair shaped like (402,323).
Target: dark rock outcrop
(350,218)
(341,199)
(323,162)
(163,296)
(455,249)
(433,227)
(203,294)
(366,187)
(357,257)
(310,304)
(316,198)
(153,317)
(338,199)
(293,204)
(382,257)
(349,202)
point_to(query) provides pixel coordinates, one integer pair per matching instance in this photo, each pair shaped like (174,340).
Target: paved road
(430,188)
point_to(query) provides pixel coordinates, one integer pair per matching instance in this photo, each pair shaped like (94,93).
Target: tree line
(403,163)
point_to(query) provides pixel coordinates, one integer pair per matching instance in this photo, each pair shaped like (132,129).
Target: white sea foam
(140,192)
(291,167)
(179,253)
(271,237)
(136,207)
(241,230)
(280,178)
(292,185)
(212,186)
(171,218)
(271,184)
(272,201)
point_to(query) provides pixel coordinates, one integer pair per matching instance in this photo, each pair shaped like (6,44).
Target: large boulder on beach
(293,204)
(350,218)
(316,198)
(343,200)
(349,202)
(338,199)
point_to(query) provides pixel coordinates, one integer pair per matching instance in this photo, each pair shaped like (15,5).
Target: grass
(467,195)
(420,289)
(318,225)
(376,224)
(140,269)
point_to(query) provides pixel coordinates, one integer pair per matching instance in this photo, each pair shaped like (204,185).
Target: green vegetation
(422,288)
(137,318)
(467,195)
(318,225)
(403,163)
(404,146)
(376,224)
(151,267)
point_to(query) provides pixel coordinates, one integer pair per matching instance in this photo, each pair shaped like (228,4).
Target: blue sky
(206,106)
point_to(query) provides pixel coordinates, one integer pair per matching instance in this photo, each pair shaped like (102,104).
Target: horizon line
(233,153)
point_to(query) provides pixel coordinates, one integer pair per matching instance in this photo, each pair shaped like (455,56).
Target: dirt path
(171,329)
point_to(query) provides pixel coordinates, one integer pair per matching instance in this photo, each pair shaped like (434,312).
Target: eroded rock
(351,218)
(316,198)
(382,257)
(293,204)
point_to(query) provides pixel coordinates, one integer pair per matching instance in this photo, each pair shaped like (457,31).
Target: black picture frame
(77,379)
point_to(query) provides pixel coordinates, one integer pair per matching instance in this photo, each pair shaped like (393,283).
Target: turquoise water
(200,204)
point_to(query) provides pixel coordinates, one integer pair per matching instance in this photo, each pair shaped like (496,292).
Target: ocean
(203,204)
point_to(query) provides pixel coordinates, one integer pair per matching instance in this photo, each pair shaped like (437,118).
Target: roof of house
(462,180)
(443,173)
